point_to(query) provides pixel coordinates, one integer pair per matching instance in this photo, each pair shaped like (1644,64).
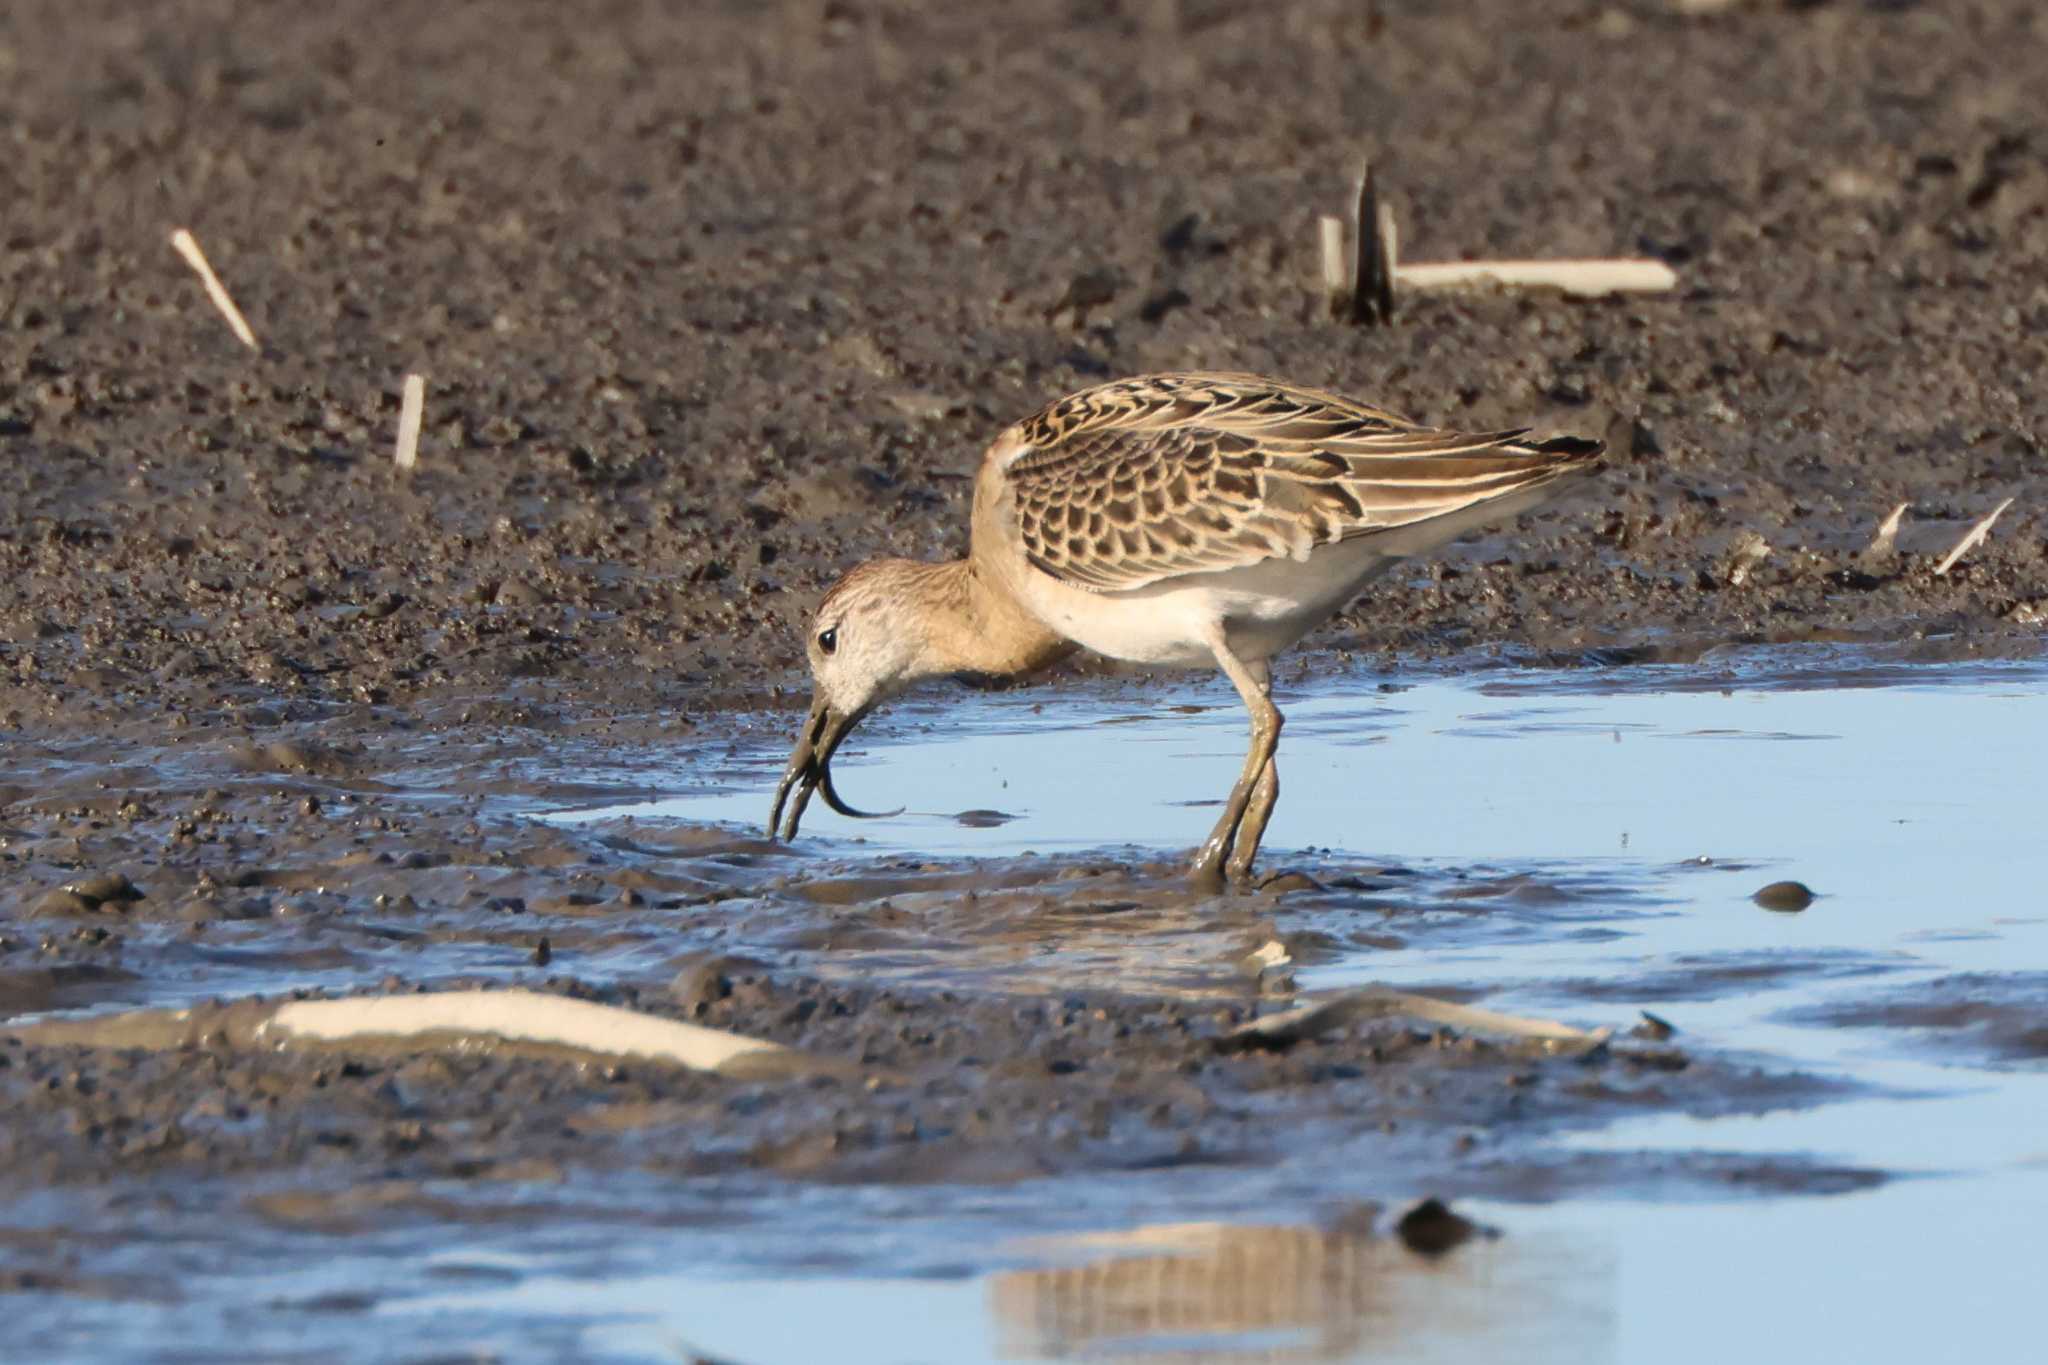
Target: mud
(1996,1017)
(1031,1017)
(713,304)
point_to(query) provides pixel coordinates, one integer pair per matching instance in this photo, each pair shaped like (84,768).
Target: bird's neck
(973,626)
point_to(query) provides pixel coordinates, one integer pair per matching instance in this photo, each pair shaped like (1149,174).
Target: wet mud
(697,345)
(716,300)
(1030,1016)
(1997,1017)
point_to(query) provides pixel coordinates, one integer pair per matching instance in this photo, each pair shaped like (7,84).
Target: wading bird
(1177,519)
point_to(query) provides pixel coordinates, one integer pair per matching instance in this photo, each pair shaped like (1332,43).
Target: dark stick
(1372,289)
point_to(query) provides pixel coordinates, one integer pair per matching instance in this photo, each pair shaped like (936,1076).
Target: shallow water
(1644,806)
(1580,845)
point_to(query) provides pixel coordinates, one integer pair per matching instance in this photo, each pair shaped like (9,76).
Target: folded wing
(1149,479)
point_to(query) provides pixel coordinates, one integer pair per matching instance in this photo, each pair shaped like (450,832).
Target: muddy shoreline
(1035,1019)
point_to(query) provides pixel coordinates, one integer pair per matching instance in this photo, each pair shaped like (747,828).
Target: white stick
(188,247)
(442,1020)
(1587,278)
(1336,270)
(1971,539)
(518,1016)
(1887,533)
(409,409)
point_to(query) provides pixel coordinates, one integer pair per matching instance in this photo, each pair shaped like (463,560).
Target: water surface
(1645,806)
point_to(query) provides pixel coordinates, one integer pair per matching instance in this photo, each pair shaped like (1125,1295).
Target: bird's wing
(1148,479)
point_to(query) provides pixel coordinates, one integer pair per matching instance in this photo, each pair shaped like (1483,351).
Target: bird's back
(1142,481)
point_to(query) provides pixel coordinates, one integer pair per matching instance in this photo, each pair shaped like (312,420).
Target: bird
(1184,520)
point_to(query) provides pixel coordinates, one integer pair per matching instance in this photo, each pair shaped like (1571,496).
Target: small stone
(1431,1228)
(543,953)
(1784,897)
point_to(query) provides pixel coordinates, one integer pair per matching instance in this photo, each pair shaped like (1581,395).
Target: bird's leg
(1265,794)
(1252,682)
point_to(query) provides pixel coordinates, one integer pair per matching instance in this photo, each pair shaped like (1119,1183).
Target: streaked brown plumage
(1175,519)
(1146,479)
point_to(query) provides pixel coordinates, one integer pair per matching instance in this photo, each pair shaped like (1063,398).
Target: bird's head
(865,645)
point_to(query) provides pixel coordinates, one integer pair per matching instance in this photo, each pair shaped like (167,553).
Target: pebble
(1431,1228)
(1784,897)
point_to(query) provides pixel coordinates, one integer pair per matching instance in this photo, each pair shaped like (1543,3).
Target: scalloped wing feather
(1143,480)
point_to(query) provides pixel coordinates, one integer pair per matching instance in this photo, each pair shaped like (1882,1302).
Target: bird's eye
(828,640)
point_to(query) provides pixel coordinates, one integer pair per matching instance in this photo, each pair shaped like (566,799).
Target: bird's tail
(1530,484)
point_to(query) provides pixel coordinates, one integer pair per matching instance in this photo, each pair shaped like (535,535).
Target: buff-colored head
(868,642)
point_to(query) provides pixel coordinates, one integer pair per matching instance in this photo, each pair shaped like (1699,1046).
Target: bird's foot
(1210,873)
(1215,875)
(1205,876)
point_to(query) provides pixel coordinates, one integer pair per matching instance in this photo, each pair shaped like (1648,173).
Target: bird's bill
(810,770)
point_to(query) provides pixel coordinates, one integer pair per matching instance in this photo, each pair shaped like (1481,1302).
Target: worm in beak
(810,770)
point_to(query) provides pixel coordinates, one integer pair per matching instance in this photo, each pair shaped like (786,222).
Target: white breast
(1263,607)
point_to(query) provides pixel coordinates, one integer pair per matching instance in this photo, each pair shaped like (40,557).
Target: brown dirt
(715,302)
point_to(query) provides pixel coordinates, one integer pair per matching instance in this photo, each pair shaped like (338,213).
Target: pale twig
(1588,279)
(1376,267)
(1389,251)
(1336,271)
(188,247)
(410,408)
(1377,1002)
(517,1016)
(1971,539)
(1887,537)
(440,1021)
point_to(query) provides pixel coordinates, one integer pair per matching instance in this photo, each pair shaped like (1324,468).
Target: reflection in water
(1217,1294)
(1250,1294)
